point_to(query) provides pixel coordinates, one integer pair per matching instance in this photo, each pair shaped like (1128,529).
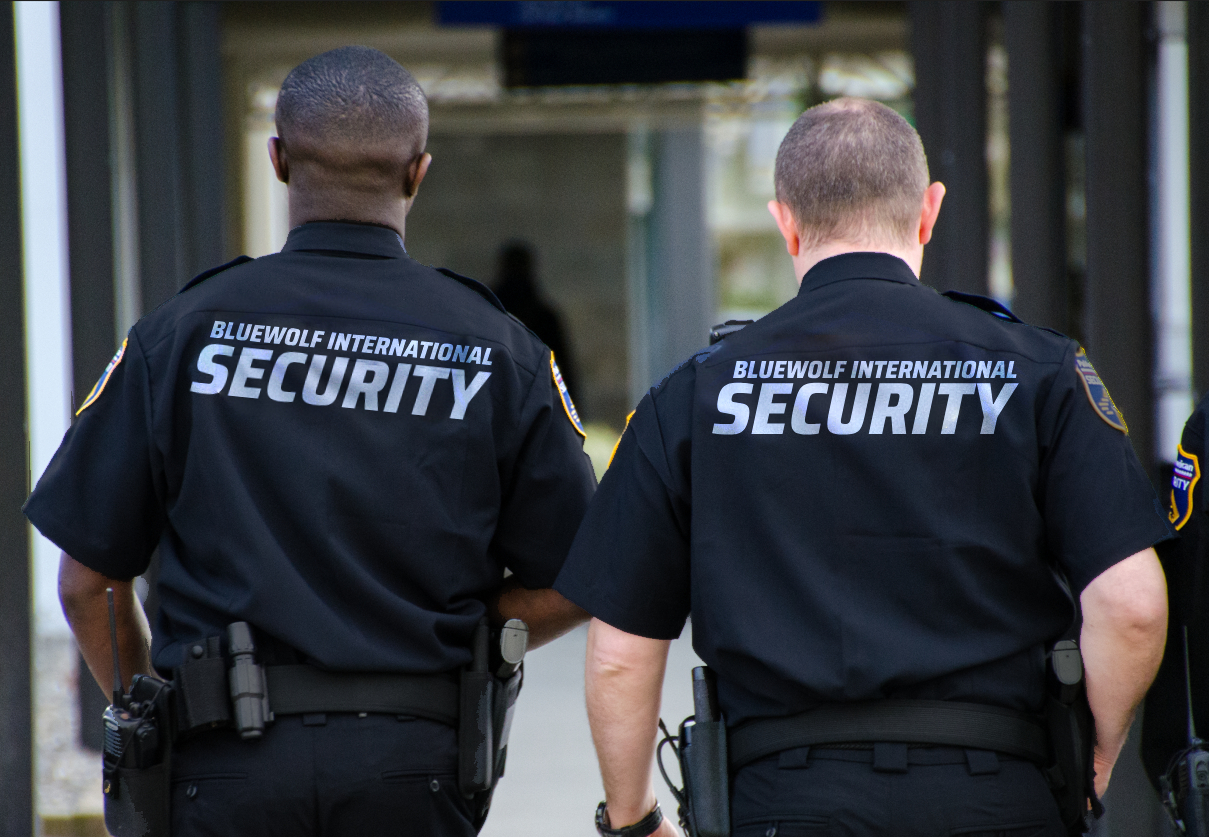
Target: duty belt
(203,698)
(921,722)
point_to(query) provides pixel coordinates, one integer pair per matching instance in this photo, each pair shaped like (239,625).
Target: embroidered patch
(1183,480)
(1097,393)
(104,379)
(568,404)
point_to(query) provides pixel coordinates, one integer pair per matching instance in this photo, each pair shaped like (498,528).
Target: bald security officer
(873,494)
(346,450)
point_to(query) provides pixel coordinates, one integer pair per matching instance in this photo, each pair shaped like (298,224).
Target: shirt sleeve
(100,499)
(1098,503)
(551,483)
(629,565)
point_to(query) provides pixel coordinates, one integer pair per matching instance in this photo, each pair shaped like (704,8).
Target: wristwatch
(643,828)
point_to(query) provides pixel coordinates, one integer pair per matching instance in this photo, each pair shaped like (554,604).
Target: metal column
(1198,121)
(86,108)
(949,43)
(1032,32)
(1118,327)
(680,276)
(16,690)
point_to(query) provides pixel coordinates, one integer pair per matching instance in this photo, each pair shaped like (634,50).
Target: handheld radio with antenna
(118,690)
(1185,798)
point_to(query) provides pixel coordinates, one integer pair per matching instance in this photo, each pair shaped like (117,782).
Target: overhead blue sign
(609,14)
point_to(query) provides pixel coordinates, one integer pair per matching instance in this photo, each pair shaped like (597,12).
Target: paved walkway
(552,785)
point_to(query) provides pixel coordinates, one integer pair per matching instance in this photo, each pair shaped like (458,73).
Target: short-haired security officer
(341,447)
(871,493)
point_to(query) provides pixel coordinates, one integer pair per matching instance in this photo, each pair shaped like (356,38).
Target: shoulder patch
(985,303)
(104,379)
(474,285)
(204,275)
(568,404)
(1097,393)
(1186,474)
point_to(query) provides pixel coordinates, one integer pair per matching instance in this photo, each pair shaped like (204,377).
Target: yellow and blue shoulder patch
(1097,393)
(617,444)
(568,404)
(1183,481)
(104,379)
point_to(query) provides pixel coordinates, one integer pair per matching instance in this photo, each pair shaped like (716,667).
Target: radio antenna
(1193,741)
(113,642)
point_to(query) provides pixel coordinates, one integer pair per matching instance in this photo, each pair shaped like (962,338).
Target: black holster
(137,761)
(704,765)
(1072,735)
(484,723)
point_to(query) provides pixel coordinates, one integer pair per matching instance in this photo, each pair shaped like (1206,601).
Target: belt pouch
(140,805)
(707,778)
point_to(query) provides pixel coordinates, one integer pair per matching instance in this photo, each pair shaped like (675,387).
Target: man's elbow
(1131,596)
(79,587)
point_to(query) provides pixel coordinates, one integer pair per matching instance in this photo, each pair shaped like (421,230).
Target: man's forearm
(82,592)
(624,681)
(547,613)
(1124,631)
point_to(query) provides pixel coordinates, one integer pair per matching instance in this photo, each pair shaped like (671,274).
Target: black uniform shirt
(337,444)
(1186,563)
(864,495)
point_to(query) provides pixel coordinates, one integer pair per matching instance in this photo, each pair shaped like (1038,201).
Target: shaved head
(353,113)
(852,170)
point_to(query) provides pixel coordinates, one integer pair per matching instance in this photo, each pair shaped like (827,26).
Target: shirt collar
(346,237)
(857,266)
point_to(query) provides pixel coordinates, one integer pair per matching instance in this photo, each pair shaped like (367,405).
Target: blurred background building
(631,147)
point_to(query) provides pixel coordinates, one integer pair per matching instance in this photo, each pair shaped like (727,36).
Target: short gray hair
(852,170)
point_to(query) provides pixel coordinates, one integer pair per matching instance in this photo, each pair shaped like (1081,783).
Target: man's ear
(787,225)
(277,156)
(930,210)
(415,173)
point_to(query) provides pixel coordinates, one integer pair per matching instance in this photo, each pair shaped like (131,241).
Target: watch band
(643,828)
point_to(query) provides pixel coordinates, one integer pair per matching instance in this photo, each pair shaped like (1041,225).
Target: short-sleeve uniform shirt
(874,491)
(1186,563)
(334,443)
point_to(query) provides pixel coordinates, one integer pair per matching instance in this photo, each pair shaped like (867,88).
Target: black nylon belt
(301,689)
(922,722)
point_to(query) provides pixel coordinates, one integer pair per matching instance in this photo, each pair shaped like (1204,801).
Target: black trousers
(336,775)
(890,791)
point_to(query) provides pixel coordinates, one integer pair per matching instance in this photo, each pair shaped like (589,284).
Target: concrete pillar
(949,43)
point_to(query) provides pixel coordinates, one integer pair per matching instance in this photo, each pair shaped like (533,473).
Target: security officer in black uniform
(875,492)
(346,450)
(1165,729)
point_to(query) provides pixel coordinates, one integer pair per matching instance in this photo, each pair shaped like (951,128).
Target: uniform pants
(890,791)
(335,775)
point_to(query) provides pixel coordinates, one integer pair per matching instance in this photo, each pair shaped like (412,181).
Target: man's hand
(1124,630)
(82,593)
(623,680)
(547,613)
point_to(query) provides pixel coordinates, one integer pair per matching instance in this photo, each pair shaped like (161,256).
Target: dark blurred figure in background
(516,287)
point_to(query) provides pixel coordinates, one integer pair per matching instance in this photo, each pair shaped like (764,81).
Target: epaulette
(991,306)
(721,332)
(476,286)
(204,275)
